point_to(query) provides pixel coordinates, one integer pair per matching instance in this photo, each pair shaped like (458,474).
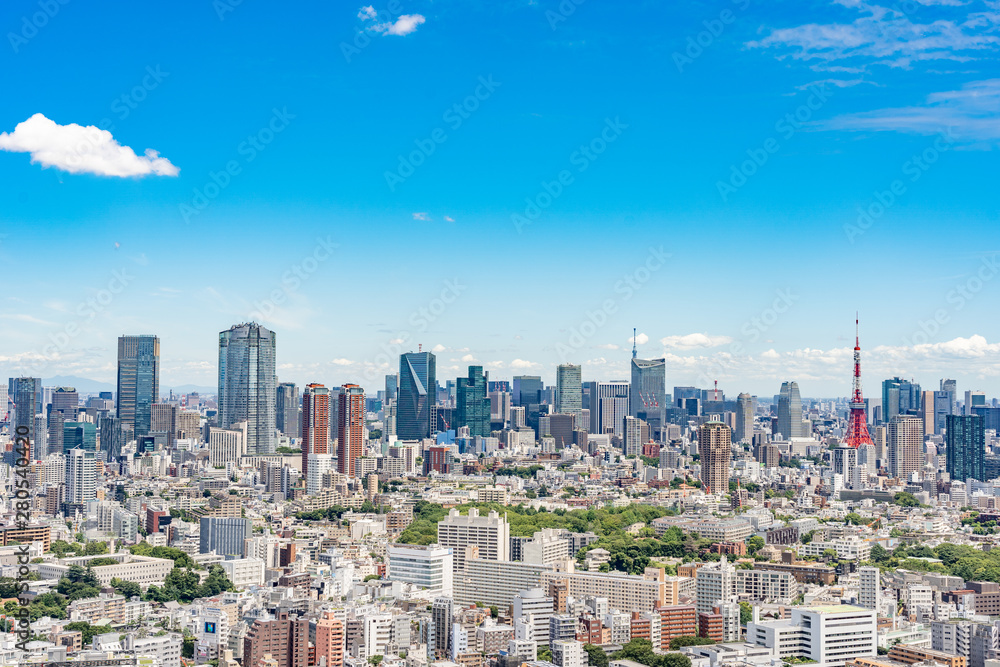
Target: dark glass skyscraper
(966,442)
(138,381)
(247,384)
(27,394)
(79,435)
(287,409)
(416,398)
(472,405)
(527,389)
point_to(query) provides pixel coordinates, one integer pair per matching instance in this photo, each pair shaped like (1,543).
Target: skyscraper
(951,387)
(287,409)
(900,397)
(966,440)
(612,407)
(527,389)
(351,428)
(417,388)
(942,408)
(715,451)
(790,411)
(138,381)
(79,435)
(905,435)
(247,384)
(649,389)
(391,386)
(472,405)
(226,536)
(112,436)
(315,423)
(744,418)
(27,393)
(569,389)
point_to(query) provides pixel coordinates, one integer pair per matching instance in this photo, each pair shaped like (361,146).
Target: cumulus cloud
(404,25)
(341,362)
(521,364)
(81,149)
(638,339)
(367,13)
(468,358)
(693,341)
(438,349)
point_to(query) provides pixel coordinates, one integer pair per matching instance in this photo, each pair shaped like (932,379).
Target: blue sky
(636,116)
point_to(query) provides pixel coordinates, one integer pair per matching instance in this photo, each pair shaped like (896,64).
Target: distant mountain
(82,385)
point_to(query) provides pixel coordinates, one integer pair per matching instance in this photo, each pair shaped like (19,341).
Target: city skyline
(809,219)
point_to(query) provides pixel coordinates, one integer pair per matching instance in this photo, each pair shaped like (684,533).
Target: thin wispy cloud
(79,149)
(694,341)
(969,113)
(423,217)
(889,37)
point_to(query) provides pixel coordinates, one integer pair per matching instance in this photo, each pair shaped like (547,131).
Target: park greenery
(963,561)
(641,651)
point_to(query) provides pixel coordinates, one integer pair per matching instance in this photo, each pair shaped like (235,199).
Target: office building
(826,636)
(715,450)
(472,405)
(943,406)
(965,437)
(490,533)
(790,411)
(527,390)
(416,395)
(569,389)
(648,391)
(350,428)
(315,434)
(27,395)
(247,384)
(225,536)
(612,402)
(744,418)
(532,610)
(113,437)
(427,567)
(905,435)
(138,381)
(287,409)
(900,397)
(79,435)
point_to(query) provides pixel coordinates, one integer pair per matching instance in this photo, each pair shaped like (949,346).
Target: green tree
(677,643)
(87,630)
(754,544)
(746,613)
(904,499)
(597,656)
(129,589)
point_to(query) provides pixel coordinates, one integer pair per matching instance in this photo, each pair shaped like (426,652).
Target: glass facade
(247,384)
(472,405)
(138,381)
(417,389)
(966,453)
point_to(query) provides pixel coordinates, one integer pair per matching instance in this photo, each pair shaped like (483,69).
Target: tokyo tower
(857,430)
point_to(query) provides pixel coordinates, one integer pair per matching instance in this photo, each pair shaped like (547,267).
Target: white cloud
(423,217)
(448,218)
(521,364)
(404,25)
(438,349)
(886,36)
(968,114)
(695,340)
(639,339)
(608,346)
(341,362)
(367,13)
(468,358)
(81,150)
(396,341)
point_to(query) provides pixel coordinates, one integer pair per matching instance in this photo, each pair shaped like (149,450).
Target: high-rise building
(965,437)
(472,405)
(138,382)
(744,418)
(79,435)
(943,406)
(648,392)
(612,402)
(569,389)
(416,398)
(277,642)
(950,387)
(247,384)
(330,639)
(636,433)
(491,533)
(900,397)
(427,567)
(27,394)
(287,409)
(790,411)
(905,436)
(715,450)
(527,390)
(225,536)
(81,476)
(973,399)
(391,387)
(315,423)
(351,428)
(113,437)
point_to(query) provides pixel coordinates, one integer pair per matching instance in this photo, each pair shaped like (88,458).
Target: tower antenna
(635,353)
(857,429)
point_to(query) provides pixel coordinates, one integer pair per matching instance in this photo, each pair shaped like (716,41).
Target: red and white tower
(857,430)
